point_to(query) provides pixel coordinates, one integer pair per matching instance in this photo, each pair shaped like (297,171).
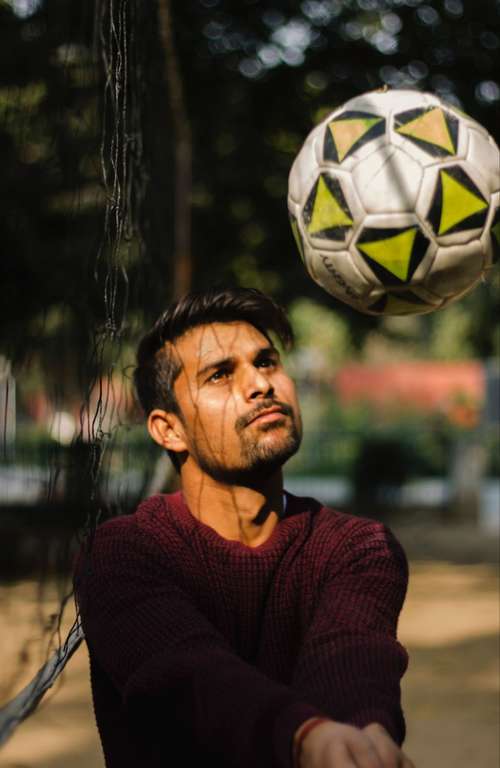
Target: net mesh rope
(123,178)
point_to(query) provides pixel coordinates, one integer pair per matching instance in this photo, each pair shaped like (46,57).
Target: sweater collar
(287,527)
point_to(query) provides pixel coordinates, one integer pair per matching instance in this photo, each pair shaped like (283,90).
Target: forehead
(213,341)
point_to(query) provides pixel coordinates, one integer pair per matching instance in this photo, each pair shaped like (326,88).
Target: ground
(449,625)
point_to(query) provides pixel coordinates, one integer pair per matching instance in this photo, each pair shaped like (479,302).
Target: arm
(150,639)
(350,663)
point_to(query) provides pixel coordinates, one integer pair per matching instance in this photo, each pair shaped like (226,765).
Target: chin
(259,460)
(273,450)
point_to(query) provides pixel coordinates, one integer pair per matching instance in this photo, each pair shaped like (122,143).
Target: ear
(167,430)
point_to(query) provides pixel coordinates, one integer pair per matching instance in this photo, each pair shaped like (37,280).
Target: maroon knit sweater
(216,651)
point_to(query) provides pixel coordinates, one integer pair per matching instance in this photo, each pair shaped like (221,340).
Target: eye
(219,375)
(266,362)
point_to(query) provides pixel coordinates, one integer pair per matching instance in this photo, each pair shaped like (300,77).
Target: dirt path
(450,626)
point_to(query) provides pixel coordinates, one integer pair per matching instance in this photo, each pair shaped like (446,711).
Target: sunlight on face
(239,407)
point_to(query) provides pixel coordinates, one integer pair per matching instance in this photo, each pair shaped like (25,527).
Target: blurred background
(145,150)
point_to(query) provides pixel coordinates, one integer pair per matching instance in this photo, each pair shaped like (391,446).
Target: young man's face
(240,415)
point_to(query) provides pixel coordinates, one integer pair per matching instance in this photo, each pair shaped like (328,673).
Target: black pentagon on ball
(401,303)
(457,204)
(433,129)
(348,132)
(393,254)
(326,213)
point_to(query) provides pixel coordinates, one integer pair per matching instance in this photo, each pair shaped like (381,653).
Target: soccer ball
(394,201)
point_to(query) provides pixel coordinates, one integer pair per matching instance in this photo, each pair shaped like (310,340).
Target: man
(231,623)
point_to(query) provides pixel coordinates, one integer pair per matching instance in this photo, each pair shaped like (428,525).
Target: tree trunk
(182,152)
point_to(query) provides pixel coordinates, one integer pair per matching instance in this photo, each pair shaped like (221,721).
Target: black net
(77,351)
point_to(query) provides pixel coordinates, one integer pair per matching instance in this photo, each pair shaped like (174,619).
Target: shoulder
(364,538)
(123,542)
(344,538)
(149,516)
(360,564)
(120,561)
(364,534)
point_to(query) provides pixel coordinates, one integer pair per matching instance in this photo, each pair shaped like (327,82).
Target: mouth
(269,415)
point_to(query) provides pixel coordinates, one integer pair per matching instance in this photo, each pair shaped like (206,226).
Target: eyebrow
(230,360)
(215,364)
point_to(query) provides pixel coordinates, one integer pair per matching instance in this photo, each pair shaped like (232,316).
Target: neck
(247,513)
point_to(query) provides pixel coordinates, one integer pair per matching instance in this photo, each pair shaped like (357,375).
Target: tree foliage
(257,76)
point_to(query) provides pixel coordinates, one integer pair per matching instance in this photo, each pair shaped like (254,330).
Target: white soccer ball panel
(466,119)
(386,101)
(336,273)
(491,235)
(384,220)
(459,238)
(303,170)
(293,208)
(463,293)
(294,211)
(316,139)
(407,301)
(484,157)
(388,181)
(455,269)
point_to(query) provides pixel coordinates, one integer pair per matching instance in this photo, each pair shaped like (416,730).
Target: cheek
(285,389)
(212,417)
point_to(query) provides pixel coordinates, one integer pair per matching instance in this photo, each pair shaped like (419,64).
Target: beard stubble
(259,458)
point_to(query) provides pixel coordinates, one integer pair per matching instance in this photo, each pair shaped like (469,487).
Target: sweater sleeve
(350,663)
(154,644)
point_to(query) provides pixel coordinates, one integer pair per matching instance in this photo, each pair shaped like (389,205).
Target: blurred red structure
(456,389)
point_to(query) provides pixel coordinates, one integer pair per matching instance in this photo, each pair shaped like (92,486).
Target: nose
(257,384)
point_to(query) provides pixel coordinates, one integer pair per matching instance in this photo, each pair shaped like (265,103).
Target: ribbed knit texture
(216,651)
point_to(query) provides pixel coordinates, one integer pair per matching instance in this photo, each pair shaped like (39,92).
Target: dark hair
(157,368)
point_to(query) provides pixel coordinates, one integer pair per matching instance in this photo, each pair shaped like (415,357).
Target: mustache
(243,421)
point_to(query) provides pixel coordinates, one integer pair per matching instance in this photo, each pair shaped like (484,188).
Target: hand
(388,751)
(334,745)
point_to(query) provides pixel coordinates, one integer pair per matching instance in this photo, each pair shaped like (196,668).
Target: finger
(388,751)
(364,752)
(339,757)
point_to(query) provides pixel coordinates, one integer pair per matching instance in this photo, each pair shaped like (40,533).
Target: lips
(268,414)
(265,412)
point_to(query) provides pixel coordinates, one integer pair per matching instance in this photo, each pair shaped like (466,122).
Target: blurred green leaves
(257,76)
